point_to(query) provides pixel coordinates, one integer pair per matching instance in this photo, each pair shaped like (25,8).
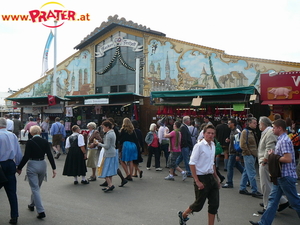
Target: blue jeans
(185,156)
(249,173)
(44,135)
(230,166)
(286,185)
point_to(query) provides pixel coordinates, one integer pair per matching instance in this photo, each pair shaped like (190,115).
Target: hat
(224,118)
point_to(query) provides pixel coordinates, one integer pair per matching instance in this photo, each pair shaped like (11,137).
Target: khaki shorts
(225,149)
(57,139)
(92,157)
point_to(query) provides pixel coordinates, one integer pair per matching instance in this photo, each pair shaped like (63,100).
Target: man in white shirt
(10,123)
(206,180)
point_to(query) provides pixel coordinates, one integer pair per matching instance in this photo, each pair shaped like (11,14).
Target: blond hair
(127,126)
(152,127)
(92,124)
(34,130)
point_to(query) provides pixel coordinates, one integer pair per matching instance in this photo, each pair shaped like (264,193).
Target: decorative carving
(180,82)
(114,19)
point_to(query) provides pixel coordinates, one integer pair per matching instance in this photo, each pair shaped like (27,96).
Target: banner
(45,55)
(51,100)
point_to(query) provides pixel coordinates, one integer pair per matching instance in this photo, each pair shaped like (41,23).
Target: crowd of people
(103,148)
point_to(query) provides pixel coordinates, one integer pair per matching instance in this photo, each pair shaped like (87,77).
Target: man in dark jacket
(223,132)
(186,144)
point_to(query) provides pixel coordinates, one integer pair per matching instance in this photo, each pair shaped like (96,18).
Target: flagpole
(54,70)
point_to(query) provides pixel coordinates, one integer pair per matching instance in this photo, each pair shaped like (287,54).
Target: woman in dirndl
(75,161)
(109,163)
(129,143)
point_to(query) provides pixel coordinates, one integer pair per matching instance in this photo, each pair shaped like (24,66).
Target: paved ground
(147,201)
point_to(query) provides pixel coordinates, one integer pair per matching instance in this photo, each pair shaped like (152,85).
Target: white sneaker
(158,169)
(148,168)
(184,176)
(169,177)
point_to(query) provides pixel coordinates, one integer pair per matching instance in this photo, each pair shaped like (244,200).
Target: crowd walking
(105,148)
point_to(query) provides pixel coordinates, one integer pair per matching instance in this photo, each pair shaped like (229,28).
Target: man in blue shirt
(286,184)
(10,157)
(58,133)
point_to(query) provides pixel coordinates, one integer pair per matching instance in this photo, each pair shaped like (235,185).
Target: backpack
(295,138)
(236,141)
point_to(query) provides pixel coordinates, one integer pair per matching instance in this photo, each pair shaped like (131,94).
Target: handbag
(140,158)
(219,148)
(3,178)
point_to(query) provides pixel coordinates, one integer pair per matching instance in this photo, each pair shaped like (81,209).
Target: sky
(267,29)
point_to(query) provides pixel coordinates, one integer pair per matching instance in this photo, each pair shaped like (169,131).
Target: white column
(137,76)
(54,69)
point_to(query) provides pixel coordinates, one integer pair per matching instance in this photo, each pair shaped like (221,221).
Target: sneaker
(169,177)
(182,221)
(158,169)
(148,168)
(227,186)
(184,176)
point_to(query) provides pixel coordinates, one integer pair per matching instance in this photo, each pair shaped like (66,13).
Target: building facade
(106,62)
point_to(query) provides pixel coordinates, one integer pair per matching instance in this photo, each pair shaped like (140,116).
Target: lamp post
(138,63)
(137,75)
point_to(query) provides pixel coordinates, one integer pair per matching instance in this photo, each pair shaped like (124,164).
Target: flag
(45,55)
(51,100)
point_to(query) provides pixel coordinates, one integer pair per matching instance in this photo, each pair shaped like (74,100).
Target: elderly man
(248,143)
(267,141)
(10,157)
(45,128)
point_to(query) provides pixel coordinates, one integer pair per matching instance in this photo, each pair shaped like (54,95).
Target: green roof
(204,92)
(102,95)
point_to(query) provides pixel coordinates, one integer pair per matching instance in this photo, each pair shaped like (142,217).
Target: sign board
(280,86)
(58,108)
(238,107)
(98,101)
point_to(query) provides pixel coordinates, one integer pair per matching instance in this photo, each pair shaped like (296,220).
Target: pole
(54,70)
(137,75)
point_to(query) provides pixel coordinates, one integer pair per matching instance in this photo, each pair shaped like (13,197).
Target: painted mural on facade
(169,69)
(74,79)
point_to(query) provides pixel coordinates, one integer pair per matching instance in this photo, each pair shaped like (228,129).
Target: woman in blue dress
(129,143)
(109,163)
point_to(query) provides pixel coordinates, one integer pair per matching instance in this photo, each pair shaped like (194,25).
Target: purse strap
(137,139)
